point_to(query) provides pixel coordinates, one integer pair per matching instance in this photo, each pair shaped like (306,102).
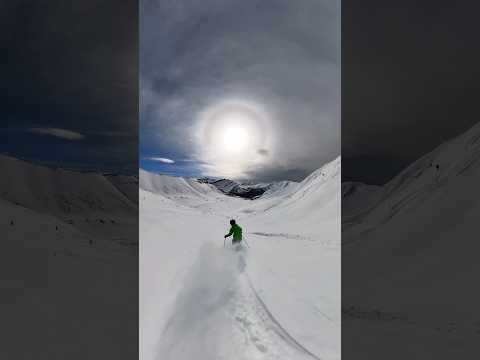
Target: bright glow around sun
(231,133)
(235,138)
(230,136)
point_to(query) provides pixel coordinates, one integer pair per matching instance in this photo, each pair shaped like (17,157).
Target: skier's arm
(230,232)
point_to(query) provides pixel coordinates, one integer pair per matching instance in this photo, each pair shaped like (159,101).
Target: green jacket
(236,231)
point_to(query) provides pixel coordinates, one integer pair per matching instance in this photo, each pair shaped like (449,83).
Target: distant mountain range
(247,190)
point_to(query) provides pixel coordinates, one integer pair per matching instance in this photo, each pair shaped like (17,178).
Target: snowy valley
(277,298)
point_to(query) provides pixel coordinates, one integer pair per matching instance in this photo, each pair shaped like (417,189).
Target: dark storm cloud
(281,54)
(72,66)
(409,82)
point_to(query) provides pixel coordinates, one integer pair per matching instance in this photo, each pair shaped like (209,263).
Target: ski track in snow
(219,311)
(282,235)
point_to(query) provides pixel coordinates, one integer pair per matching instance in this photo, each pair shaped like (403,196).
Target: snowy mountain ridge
(247,190)
(64,192)
(410,240)
(100,206)
(452,161)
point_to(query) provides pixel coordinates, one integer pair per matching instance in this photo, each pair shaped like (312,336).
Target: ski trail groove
(220,315)
(279,329)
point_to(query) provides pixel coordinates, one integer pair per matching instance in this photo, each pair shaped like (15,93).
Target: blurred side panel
(69,179)
(410,175)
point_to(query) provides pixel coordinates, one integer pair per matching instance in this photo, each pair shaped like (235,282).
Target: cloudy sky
(69,92)
(241,89)
(409,82)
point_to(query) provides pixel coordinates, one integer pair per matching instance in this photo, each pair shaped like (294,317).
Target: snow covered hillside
(68,262)
(95,203)
(278,299)
(356,197)
(415,236)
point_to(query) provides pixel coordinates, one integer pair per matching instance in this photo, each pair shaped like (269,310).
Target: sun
(235,138)
(229,136)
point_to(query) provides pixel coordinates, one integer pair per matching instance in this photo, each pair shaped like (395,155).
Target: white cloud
(162,160)
(60,133)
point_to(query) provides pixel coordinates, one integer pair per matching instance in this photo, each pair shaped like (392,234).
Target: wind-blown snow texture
(278,299)
(68,264)
(413,258)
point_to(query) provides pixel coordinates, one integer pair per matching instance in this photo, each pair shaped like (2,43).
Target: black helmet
(232,222)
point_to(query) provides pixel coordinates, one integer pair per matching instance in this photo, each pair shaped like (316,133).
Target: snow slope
(58,191)
(411,243)
(99,205)
(175,188)
(127,185)
(279,188)
(68,264)
(278,299)
(356,197)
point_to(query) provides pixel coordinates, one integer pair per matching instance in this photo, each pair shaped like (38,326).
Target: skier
(236,231)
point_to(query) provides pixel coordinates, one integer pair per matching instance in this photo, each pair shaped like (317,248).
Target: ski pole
(224,239)
(246,243)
